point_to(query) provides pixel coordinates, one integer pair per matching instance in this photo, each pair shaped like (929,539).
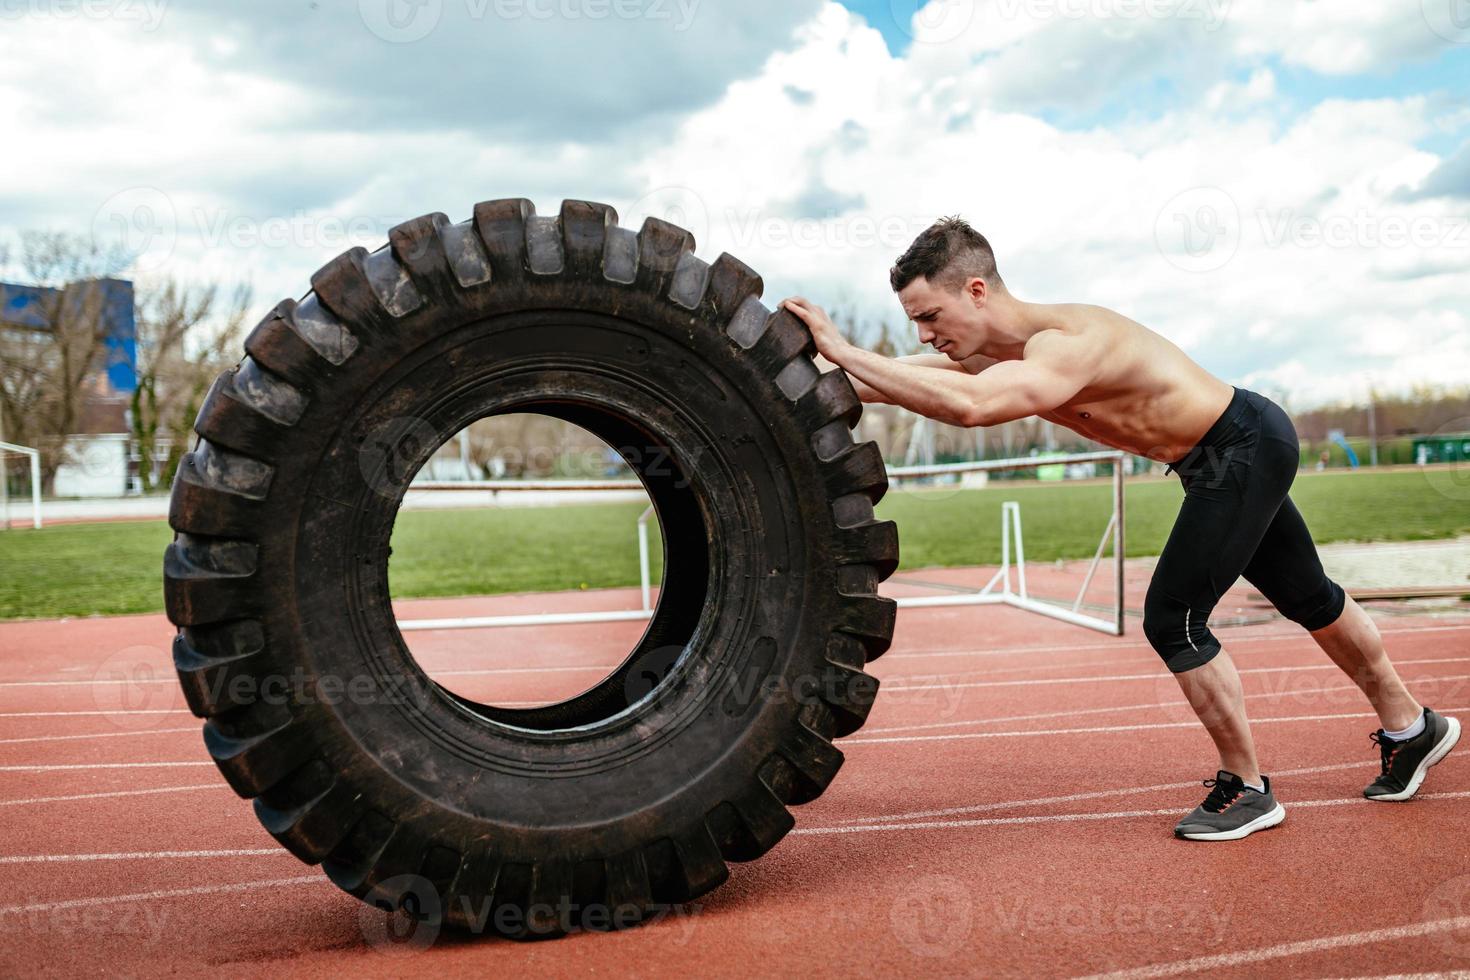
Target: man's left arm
(1010,390)
(1051,373)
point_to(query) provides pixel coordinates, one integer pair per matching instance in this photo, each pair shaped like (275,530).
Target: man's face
(950,320)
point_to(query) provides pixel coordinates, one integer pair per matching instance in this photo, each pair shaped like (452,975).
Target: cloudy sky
(1280,186)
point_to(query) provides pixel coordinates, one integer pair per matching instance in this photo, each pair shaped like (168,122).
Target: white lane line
(140,855)
(243,886)
(70,738)
(121,792)
(1365,765)
(1150,676)
(1076,817)
(1130,662)
(172,680)
(103,765)
(1099,730)
(929,726)
(78,714)
(1122,644)
(889,658)
(1305,946)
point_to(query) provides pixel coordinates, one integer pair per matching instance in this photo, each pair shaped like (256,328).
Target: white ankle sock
(1258,788)
(1407,733)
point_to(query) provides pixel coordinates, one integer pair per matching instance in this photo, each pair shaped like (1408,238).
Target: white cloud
(817,160)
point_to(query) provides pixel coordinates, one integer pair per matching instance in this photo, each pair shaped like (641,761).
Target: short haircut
(948,253)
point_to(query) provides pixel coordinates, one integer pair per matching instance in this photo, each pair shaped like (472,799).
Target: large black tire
(629,796)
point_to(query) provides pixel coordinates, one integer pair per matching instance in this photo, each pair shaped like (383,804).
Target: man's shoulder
(1082,325)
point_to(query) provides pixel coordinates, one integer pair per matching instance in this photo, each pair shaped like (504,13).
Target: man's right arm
(866,393)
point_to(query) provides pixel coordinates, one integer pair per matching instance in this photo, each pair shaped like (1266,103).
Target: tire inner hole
(471,544)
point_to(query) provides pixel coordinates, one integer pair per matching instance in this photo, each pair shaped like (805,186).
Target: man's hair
(948,253)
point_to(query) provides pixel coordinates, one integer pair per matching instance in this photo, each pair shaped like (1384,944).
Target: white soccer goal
(1013,546)
(1013,551)
(10,449)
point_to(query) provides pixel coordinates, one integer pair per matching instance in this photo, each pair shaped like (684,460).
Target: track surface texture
(1007,810)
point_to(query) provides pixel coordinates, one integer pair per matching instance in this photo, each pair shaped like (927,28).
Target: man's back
(1139,392)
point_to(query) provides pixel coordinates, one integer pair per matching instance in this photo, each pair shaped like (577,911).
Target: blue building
(97,458)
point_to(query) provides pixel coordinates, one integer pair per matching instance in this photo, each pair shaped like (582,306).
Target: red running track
(1006,811)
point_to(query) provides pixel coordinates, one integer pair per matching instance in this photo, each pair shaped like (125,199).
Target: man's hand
(830,343)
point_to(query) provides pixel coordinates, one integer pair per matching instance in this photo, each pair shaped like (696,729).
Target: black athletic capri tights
(1237,519)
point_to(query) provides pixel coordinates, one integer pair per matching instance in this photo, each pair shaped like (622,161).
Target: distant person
(998,358)
(1323,460)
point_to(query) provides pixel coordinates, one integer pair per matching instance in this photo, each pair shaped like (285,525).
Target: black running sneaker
(1231,811)
(1406,762)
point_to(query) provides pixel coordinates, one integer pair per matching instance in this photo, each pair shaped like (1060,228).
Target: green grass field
(111,568)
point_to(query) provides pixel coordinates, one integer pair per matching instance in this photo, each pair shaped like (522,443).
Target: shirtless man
(1100,374)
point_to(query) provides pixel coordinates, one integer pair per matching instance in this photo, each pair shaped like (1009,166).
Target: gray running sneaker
(1231,811)
(1406,762)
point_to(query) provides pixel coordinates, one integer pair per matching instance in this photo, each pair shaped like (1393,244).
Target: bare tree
(186,335)
(45,364)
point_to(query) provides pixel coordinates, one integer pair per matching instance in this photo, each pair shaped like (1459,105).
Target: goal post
(1013,548)
(1010,577)
(11,449)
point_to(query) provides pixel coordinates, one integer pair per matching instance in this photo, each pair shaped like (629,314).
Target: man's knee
(1317,609)
(1177,632)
